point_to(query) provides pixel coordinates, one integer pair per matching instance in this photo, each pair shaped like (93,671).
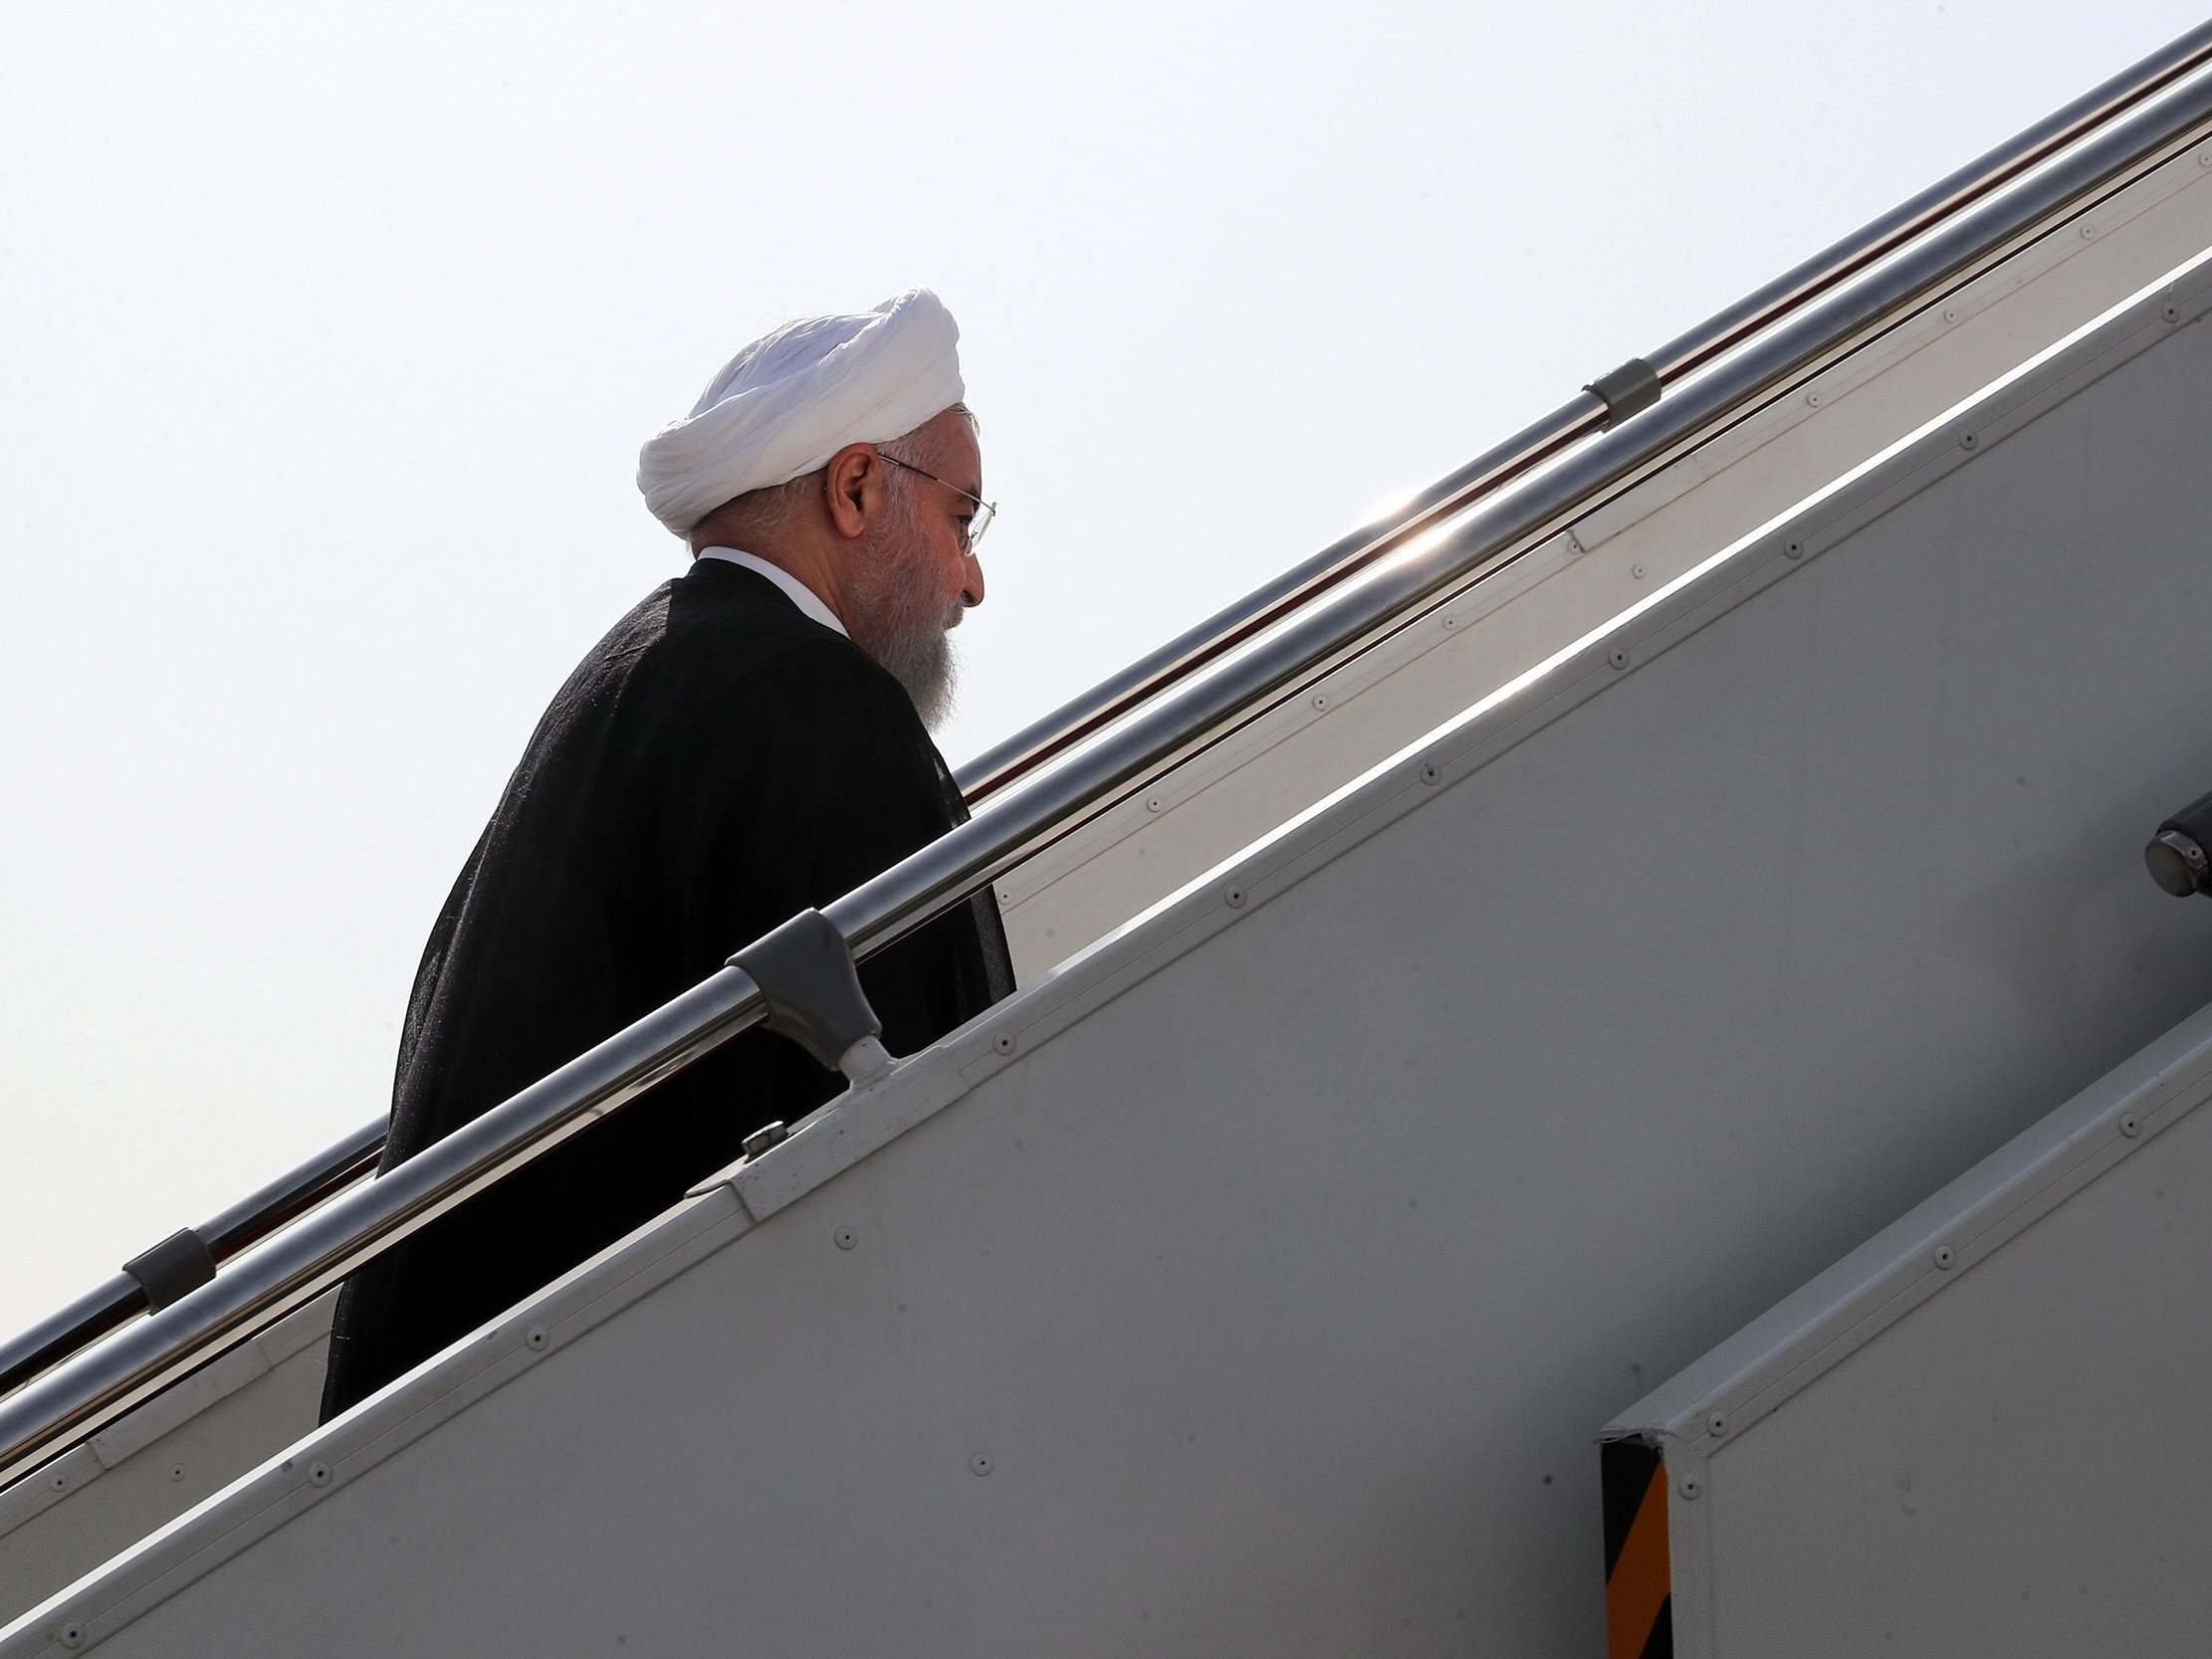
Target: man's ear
(855,488)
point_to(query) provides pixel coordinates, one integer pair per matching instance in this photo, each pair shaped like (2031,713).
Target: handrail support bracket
(179,1265)
(808,981)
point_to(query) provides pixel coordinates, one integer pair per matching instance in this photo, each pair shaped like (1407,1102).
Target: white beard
(902,629)
(924,662)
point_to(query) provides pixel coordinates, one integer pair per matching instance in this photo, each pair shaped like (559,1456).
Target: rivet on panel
(1234,898)
(176,1471)
(2204,157)
(1716,1424)
(1617,657)
(2131,1126)
(1320,700)
(844,1238)
(1152,803)
(1968,440)
(1950,314)
(2171,311)
(1003,1042)
(1431,772)
(535,1338)
(2088,230)
(1794,549)
(1813,400)
(1450,621)
(979,1464)
(71,1635)
(318,1474)
(1637,570)
(1945,1258)
(59,1481)
(1689,1486)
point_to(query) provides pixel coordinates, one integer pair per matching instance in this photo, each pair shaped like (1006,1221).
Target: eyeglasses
(984,511)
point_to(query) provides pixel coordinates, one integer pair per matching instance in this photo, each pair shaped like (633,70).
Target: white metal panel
(1984,1431)
(1259,1283)
(63,1519)
(1230,796)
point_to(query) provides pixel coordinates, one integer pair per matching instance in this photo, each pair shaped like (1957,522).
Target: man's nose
(972,584)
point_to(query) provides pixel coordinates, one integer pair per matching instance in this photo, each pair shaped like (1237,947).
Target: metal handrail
(1070,724)
(75,1398)
(99,1312)
(243,1225)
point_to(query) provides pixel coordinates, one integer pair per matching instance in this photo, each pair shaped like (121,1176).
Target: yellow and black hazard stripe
(1638,1622)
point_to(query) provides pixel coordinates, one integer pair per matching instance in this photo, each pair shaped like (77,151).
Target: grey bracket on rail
(806,972)
(179,1265)
(1629,390)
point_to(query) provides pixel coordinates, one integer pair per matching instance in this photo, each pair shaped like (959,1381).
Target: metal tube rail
(76,1397)
(1875,240)
(1045,739)
(240,1227)
(100,1311)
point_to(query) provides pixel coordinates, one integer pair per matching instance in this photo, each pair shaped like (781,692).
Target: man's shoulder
(754,636)
(724,638)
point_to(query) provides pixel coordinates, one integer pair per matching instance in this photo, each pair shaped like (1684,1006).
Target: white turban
(796,396)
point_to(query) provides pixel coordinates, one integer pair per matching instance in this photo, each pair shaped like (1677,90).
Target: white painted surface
(64,1520)
(1982,1432)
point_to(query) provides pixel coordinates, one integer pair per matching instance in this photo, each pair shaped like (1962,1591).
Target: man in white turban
(780,467)
(748,743)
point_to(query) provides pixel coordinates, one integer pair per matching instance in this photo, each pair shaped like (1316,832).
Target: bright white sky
(332,331)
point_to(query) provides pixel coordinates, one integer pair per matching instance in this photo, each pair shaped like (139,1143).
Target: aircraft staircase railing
(285,1245)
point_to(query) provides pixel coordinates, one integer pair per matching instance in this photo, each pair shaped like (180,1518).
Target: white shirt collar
(800,594)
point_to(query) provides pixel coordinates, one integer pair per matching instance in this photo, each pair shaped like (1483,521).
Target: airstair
(1598,1069)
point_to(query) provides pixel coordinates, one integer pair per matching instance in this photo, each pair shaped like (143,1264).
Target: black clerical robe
(716,765)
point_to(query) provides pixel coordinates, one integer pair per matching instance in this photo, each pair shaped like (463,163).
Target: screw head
(1717,1423)
(1813,400)
(1945,1258)
(1320,700)
(1152,803)
(979,1464)
(71,1635)
(1950,314)
(2088,230)
(2131,1126)
(1003,1042)
(59,1481)
(844,1238)
(1617,657)
(176,1471)
(318,1474)
(1793,549)
(1451,622)
(1431,772)
(535,1338)
(1968,440)
(1689,1486)
(1233,898)
(1637,570)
